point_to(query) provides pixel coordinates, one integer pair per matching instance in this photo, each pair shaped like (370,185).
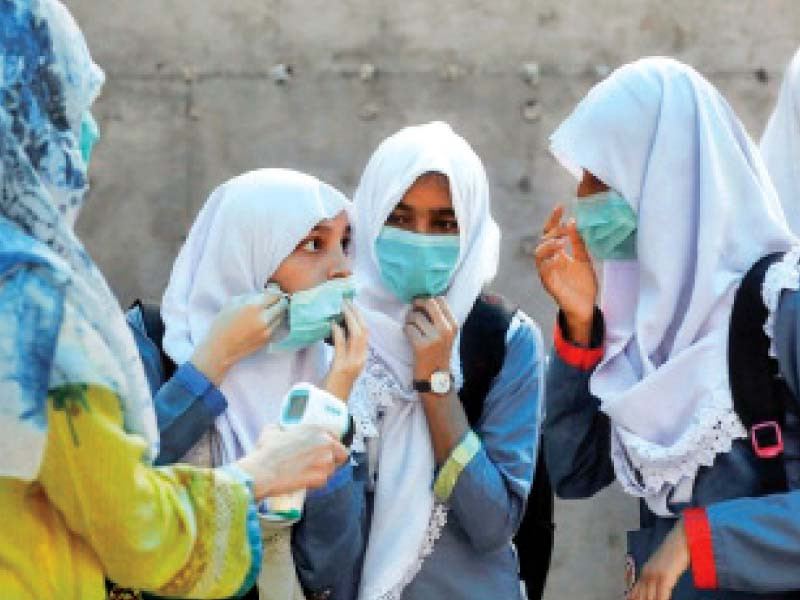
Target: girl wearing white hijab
(780,144)
(675,200)
(444,499)
(228,339)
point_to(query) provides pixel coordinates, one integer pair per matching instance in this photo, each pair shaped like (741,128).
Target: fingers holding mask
(448,314)
(275,308)
(419,319)
(358,336)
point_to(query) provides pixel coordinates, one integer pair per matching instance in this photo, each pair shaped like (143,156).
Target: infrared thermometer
(307,405)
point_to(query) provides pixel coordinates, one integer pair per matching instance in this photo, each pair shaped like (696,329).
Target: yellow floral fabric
(98,510)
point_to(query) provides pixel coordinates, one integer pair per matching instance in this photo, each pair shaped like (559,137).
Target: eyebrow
(444,212)
(441,212)
(322,227)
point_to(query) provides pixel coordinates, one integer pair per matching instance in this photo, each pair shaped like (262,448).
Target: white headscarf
(663,137)
(405,458)
(247,227)
(47,83)
(780,145)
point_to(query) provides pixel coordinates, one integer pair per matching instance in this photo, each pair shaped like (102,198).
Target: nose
(422,224)
(340,265)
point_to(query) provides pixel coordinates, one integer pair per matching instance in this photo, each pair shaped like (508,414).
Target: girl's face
(590,185)
(322,255)
(426,207)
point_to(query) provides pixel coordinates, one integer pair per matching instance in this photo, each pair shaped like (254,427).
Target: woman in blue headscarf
(77,429)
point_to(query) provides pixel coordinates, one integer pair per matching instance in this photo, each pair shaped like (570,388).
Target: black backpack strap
(154,328)
(536,534)
(483,352)
(760,395)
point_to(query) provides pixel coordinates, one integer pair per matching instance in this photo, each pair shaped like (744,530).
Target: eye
(446,225)
(346,244)
(311,245)
(398,219)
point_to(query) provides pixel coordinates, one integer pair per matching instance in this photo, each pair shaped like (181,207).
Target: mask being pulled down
(607,224)
(416,265)
(310,314)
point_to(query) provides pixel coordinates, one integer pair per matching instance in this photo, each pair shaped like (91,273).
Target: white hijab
(663,137)
(247,227)
(405,456)
(780,145)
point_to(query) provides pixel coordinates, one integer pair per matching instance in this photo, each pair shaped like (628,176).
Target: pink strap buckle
(770,450)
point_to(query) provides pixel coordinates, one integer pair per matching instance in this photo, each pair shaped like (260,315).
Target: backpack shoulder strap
(483,350)
(760,395)
(154,328)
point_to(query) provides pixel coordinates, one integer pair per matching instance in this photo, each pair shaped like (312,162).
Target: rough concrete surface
(194,96)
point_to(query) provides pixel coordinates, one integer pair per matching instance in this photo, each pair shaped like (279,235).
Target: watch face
(440,382)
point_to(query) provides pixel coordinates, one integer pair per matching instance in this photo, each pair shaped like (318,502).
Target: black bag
(760,394)
(154,327)
(483,351)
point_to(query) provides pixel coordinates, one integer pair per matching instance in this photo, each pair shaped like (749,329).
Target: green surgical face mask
(311,313)
(415,265)
(90,133)
(607,224)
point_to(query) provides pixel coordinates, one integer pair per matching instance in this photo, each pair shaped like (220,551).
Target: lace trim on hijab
(644,468)
(375,390)
(782,275)
(434,531)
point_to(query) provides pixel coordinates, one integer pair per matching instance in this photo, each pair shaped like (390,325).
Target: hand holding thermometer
(308,405)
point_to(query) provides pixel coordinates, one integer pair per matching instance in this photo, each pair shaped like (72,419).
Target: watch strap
(422,386)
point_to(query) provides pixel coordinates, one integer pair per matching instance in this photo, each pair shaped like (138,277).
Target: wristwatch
(440,382)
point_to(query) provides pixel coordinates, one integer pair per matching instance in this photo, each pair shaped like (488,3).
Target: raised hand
(567,273)
(350,353)
(243,326)
(431,329)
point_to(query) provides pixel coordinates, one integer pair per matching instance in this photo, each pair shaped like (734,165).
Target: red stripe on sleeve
(576,356)
(701,549)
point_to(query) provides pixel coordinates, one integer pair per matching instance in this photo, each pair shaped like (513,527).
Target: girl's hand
(569,279)
(350,353)
(242,327)
(664,568)
(431,329)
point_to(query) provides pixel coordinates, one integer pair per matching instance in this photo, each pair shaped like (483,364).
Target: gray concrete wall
(190,102)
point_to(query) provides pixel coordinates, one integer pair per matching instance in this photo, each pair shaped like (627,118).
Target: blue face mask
(311,313)
(415,265)
(607,224)
(90,133)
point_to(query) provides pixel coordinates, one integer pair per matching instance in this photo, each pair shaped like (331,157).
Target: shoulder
(524,339)
(32,300)
(32,292)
